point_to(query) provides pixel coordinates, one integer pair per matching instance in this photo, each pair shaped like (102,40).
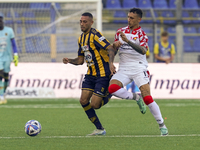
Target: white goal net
(48,31)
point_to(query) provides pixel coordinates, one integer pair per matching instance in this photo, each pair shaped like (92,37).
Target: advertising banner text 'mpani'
(167,81)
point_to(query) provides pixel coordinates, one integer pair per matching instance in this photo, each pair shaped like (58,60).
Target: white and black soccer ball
(33,127)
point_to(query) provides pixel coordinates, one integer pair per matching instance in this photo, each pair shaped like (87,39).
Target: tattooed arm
(76,61)
(140,49)
(112,51)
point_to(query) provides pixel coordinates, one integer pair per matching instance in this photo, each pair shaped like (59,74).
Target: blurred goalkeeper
(93,47)
(7,45)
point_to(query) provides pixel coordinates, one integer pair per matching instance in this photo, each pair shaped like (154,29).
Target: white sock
(123,93)
(155,110)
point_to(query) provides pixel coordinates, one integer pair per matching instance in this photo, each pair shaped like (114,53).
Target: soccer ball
(33,127)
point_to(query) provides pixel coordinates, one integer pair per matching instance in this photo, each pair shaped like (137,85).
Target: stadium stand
(147,29)
(168,14)
(150,43)
(129,4)
(189,30)
(185,14)
(161,4)
(37,5)
(191,4)
(172,4)
(113,4)
(144,4)
(171,30)
(196,15)
(187,44)
(120,14)
(10,18)
(196,48)
(29,17)
(147,14)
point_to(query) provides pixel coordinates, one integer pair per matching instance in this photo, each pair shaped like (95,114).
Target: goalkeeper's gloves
(16,59)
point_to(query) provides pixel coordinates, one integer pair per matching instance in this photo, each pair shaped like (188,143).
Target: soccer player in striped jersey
(93,47)
(132,43)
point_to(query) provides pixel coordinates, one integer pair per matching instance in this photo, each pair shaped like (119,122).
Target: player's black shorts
(99,85)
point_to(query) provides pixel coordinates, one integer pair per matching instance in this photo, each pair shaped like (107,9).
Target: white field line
(112,136)
(106,106)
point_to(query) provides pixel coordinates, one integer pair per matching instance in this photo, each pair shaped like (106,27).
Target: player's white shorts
(127,76)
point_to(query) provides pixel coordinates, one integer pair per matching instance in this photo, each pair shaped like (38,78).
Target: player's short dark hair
(138,11)
(87,14)
(164,34)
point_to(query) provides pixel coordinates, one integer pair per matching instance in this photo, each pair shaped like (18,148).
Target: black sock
(92,115)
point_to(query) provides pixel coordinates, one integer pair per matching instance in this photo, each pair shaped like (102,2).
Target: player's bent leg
(90,112)
(96,101)
(6,83)
(116,89)
(1,87)
(154,108)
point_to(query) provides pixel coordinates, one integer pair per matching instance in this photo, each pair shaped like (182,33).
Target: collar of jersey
(165,44)
(135,29)
(87,32)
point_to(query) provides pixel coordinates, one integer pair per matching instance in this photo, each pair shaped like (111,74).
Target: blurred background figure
(164,51)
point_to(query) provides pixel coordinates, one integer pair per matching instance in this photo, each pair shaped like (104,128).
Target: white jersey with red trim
(128,56)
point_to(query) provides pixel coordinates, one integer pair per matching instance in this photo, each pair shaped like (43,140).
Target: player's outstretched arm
(76,61)
(140,49)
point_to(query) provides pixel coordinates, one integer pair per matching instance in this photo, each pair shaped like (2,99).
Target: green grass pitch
(65,126)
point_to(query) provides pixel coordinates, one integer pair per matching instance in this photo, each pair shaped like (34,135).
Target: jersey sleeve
(80,51)
(116,36)
(101,41)
(173,49)
(143,39)
(12,35)
(156,49)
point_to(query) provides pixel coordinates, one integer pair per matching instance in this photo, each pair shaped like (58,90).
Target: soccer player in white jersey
(131,41)
(7,45)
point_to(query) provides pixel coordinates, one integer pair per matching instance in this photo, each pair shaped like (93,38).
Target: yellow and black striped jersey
(93,46)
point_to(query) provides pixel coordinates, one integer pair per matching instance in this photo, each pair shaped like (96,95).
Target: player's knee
(113,88)
(83,101)
(148,99)
(95,105)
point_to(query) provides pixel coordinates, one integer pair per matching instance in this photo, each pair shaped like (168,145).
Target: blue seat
(29,17)
(147,29)
(66,44)
(147,14)
(197,44)
(172,3)
(160,4)
(171,30)
(167,14)
(187,44)
(196,15)
(189,30)
(113,4)
(29,45)
(172,39)
(17,18)
(36,5)
(185,14)
(129,4)
(198,30)
(120,14)
(150,43)
(192,4)
(144,4)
